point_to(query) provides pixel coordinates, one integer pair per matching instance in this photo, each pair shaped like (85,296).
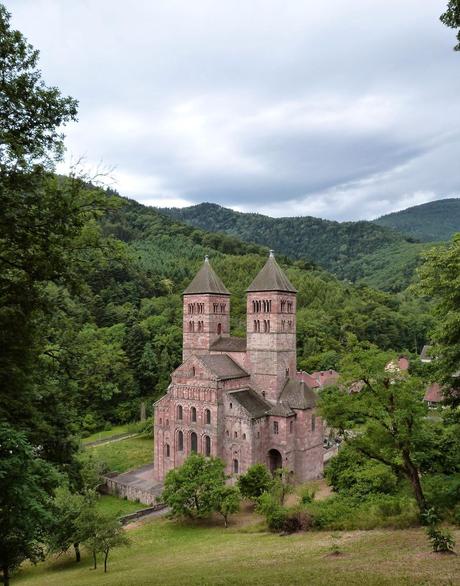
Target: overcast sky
(345,109)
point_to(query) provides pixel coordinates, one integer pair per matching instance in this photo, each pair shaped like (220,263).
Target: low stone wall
(142,513)
(132,493)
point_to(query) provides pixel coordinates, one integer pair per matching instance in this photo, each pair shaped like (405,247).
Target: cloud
(343,109)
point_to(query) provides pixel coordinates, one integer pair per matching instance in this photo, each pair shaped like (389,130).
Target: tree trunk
(413,475)
(106,556)
(94,560)
(225,521)
(6,575)
(76,547)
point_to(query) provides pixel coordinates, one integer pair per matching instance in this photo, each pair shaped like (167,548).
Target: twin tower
(269,352)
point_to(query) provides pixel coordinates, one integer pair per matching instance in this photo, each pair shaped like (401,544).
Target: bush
(348,472)
(442,489)
(274,513)
(297,519)
(307,495)
(255,482)
(343,512)
(441,540)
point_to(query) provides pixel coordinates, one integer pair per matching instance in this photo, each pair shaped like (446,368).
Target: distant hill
(357,251)
(429,222)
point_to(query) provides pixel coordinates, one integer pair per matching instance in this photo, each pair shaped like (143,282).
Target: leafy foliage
(25,512)
(435,221)
(193,489)
(451,18)
(305,238)
(255,482)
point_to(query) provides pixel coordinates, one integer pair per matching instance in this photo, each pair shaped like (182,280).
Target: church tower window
(193,414)
(180,412)
(180,441)
(207,416)
(168,451)
(193,442)
(219,329)
(236,466)
(207,445)
(275,428)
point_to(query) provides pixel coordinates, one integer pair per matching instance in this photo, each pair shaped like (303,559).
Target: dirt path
(110,439)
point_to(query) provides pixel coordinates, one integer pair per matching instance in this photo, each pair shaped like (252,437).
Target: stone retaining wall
(131,493)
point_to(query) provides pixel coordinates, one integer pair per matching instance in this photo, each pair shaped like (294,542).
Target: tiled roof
(229,344)
(206,281)
(281,410)
(433,394)
(297,395)
(222,366)
(271,278)
(256,405)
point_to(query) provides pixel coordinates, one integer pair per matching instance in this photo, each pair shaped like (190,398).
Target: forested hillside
(430,222)
(356,251)
(133,309)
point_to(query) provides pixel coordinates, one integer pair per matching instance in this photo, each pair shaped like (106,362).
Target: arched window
(193,371)
(207,445)
(235,466)
(275,428)
(180,412)
(313,422)
(193,442)
(207,416)
(253,306)
(168,451)
(180,441)
(268,325)
(193,414)
(236,434)
(255,325)
(222,308)
(291,426)
(219,329)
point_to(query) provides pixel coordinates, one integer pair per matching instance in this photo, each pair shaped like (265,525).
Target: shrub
(442,489)
(255,482)
(441,540)
(348,472)
(274,513)
(297,519)
(307,495)
(344,512)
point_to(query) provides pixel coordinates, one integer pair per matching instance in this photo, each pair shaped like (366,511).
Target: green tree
(255,482)
(64,534)
(440,279)
(388,412)
(100,533)
(226,501)
(451,18)
(190,489)
(25,507)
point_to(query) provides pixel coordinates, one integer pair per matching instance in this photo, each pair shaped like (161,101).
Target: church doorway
(275,460)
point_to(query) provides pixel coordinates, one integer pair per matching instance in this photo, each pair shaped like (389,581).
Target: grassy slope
(126,454)
(117,507)
(164,552)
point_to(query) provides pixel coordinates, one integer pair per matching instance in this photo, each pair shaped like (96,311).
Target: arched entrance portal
(275,460)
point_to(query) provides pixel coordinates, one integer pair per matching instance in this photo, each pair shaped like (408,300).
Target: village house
(241,399)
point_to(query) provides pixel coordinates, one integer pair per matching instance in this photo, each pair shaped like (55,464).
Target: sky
(345,109)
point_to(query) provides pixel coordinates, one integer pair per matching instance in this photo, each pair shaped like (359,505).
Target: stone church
(240,399)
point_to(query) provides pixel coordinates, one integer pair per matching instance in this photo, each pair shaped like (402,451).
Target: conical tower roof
(206,281)
(271,278)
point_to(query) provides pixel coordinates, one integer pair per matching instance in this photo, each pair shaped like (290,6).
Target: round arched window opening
(193,442)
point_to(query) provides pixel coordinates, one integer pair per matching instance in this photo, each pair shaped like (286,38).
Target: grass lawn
(117,507)
(125,454)
(166,553)
(99,435)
